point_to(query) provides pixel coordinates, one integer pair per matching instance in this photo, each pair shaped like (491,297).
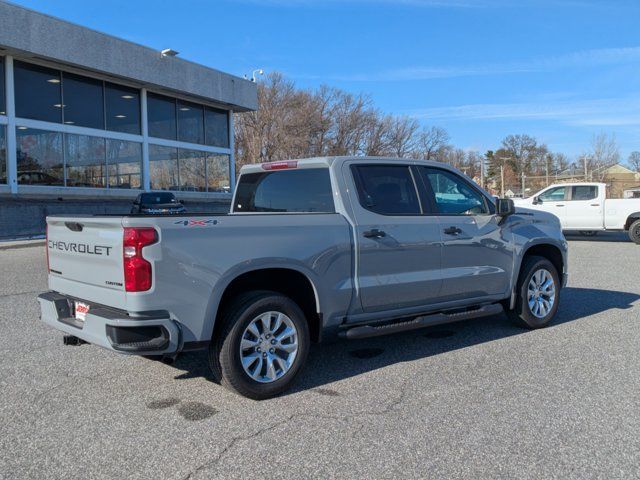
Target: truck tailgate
(85,257)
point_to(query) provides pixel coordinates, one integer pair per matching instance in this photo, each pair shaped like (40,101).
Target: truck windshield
(303,190)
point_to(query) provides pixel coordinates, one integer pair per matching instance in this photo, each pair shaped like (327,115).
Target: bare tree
(474,164)
(634,161)
(604,153)
(402,136)
(432,142)
(376,139)
(295,123)
(522,151)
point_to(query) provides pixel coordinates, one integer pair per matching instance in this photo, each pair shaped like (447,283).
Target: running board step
(367,331)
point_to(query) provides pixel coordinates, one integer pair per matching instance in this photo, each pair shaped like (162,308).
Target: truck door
(585,208)
(554,200)
(477,255)
(397,245)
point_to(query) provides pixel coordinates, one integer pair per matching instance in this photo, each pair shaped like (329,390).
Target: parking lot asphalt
(477,399)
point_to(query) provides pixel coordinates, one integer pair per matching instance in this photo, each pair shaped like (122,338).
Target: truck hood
(537,215)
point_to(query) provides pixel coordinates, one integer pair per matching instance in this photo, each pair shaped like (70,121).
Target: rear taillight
(46,244)
(137,271)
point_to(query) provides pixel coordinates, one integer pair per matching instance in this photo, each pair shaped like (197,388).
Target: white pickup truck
(584,207)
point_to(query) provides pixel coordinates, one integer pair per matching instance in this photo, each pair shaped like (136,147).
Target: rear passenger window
(304,190)
(386,189)
(584,192)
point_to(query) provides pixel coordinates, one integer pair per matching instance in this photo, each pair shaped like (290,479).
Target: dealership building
(88,121)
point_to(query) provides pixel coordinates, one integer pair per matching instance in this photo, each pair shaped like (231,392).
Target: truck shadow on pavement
(328,363)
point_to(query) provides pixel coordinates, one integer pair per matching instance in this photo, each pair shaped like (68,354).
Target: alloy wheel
(541,293)
(269,346)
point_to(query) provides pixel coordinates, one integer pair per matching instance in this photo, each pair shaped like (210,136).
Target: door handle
(452,231)
(374,233)
(559,205)
(595,204)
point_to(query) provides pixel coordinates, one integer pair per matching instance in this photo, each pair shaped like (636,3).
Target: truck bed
(195,257)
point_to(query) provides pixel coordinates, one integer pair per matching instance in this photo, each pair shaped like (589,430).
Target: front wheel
(634,232)
(261,346)
(538,293)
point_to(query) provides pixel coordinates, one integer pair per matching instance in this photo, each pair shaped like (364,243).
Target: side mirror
(181,201)
(536,200)
(505,207)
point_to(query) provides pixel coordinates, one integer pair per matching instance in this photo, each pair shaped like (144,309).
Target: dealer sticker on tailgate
(81,311)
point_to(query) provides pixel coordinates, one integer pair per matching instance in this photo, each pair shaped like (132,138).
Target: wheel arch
(287,280)
(548,250)
(630,219)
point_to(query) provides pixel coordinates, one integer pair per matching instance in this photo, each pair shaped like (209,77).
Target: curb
(22,244)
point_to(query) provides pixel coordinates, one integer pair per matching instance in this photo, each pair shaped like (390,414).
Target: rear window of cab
(306,190)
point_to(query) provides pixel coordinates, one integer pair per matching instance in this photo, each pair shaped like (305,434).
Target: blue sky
(560,70)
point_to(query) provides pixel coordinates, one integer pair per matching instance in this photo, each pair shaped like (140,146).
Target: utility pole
(586,171)
(523,183)
(482,171)
(546,167)
(503,161)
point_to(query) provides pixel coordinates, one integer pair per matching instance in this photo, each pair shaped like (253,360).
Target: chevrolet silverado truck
(312,249)
(585,208)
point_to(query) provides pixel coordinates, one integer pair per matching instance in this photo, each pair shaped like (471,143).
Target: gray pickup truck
(348,247)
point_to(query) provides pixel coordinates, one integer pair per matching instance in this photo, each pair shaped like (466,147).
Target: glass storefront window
(161,113)
(218,173)
(123,108)
(51,157)
(3,154)
(37,92)
(192,170)
(163,168)
(124,160)
(216,127)
(3,101)
(85,161)
(40,160)
(190,122)
(83,101)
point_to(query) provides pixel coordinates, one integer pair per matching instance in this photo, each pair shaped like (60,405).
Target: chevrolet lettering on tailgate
(79,247)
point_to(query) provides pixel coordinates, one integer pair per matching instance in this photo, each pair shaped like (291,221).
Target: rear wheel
(261,345)
(634,232)
(538,293)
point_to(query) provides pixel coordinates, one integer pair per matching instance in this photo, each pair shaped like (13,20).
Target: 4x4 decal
(196,223)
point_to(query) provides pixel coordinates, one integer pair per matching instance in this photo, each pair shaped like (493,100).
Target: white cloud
(408,3)
(597,112)
(429,3)
(580,59)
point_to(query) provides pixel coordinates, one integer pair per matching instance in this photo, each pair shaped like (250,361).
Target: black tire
(522,314)
(634,232)
(588,233)
(224,351)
